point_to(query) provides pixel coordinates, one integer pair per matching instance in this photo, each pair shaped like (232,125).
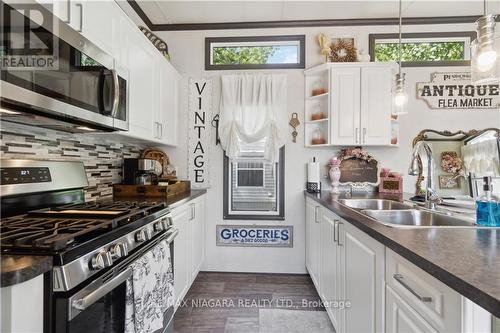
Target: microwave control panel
(25,175)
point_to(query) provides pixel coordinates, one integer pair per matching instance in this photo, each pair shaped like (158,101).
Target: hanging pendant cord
(399,45)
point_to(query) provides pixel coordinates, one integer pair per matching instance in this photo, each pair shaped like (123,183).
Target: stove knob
(101,260)
(158,226)
(119,250)
(143,235)
(140,236)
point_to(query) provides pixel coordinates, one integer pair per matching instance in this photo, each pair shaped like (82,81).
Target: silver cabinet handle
(364,134)
(86,301)
(68,11)
(172,235)
(400,278)
(161,130)
(357,135)
(316,214)
(81,16)
(335,230)
(193,211)
(339,223)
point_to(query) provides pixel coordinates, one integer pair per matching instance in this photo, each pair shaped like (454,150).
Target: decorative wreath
(355,152)
(343,50)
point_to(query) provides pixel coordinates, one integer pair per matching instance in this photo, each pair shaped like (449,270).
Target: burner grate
(41,230)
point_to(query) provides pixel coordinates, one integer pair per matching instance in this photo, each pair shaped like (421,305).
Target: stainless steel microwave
(75,88)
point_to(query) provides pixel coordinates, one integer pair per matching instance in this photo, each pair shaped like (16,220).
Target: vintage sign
(200,107)
(359,172)
(455,91)
(245,235)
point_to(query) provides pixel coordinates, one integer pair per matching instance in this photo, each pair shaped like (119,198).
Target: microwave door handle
(116,93)
(86,301)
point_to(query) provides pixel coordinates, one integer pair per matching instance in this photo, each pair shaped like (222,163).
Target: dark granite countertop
(467,260)
(20,268)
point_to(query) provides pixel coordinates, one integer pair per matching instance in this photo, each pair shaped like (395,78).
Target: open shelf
(319,121)
(317,96)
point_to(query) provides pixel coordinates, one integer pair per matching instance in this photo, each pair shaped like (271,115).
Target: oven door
(99,306)
(80,85)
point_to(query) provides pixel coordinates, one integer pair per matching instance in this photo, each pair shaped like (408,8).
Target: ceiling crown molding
(300,23)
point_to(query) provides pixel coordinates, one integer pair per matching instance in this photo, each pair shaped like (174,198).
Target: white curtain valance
(481,158)
(253,108)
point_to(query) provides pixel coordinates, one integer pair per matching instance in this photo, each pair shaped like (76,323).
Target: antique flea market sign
(455,91)
(200,105)
(245,235)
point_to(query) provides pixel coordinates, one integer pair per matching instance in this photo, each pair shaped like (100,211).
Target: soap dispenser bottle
(488,206)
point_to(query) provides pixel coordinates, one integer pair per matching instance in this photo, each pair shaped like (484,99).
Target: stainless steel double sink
(400,215)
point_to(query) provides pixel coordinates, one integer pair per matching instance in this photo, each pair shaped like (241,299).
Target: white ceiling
(172,12)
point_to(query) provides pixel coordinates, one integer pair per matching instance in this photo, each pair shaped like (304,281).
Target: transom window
(423,49)
(265,52)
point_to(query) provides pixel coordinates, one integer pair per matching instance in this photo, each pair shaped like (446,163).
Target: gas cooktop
(64,227)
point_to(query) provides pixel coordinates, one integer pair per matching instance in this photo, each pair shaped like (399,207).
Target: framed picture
(449,182)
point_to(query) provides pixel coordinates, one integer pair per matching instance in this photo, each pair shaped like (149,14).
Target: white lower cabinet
(330,271)
(189,247)
(362,260)
(312,240)
(367,287)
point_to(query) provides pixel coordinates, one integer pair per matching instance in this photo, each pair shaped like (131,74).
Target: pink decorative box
(391,185)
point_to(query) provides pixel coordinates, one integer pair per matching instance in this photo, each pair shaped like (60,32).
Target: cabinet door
(376,105)
(168,111)
(313,246)
(197,223)
(401,318)
(345,105)
(329,277)
(143,103)
(182,252)
(362,280)
(99,22)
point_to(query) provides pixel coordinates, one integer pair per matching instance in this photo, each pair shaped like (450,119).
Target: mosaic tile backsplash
(103,158)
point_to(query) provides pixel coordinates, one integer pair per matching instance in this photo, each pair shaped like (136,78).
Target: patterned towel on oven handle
(150,291)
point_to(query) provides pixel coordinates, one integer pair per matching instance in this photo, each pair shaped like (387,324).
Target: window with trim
(423,49)
(265,52)
(253,186)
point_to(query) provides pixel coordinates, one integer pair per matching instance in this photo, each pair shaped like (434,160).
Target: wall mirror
(461,159)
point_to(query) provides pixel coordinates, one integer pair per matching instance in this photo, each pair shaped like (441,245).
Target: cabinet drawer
(401,317)
(432,299)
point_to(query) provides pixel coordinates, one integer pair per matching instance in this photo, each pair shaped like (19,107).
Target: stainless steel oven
(77,84)
(99,305)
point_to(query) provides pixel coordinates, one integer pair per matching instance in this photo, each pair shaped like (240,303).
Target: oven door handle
(86,301)
(171,235)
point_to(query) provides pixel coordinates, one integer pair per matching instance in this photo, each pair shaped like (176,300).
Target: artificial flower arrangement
(355,152)
(451,163)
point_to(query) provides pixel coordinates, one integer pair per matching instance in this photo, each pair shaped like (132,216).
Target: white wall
(187,52)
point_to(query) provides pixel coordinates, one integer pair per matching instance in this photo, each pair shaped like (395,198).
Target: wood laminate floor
(253,303)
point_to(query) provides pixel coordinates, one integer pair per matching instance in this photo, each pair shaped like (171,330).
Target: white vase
(335,178)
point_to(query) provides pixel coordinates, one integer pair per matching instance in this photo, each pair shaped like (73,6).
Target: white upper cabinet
(168,106)
(359,104)
(376,105)
(143,86)
(345,105)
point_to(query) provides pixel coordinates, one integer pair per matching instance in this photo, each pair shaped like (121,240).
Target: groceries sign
(455,91)
(268,236)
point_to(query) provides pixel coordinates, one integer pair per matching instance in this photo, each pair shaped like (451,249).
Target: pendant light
(400,96)
(485,51)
